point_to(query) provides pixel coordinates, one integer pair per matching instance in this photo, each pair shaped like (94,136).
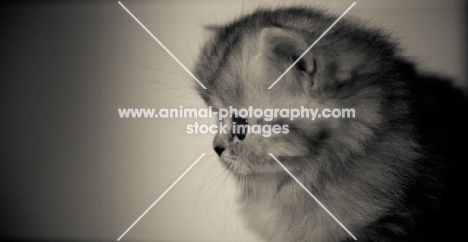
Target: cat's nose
(219,150)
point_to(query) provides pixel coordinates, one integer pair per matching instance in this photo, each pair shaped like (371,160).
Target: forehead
(231,69)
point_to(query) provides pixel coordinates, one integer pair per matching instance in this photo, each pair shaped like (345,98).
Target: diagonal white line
(312,195)
(162,195)
(305,52)
(164,47)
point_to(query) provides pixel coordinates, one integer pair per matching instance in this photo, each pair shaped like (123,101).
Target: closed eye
(301,64)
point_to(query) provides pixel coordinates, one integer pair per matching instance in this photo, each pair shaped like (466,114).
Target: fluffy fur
(393,173)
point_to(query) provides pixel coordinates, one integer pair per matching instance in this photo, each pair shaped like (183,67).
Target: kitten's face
(350,68)
(240,78)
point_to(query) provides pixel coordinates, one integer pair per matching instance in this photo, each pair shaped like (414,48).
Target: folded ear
(282,44)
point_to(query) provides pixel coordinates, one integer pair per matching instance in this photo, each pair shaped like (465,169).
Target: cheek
(286,146)
(256,150)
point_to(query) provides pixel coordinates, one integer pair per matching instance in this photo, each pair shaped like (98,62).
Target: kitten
(392,173)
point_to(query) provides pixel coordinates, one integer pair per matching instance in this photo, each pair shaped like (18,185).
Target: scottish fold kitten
(392,173)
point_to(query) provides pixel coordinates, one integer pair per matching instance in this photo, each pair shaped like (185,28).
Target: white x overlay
(312,45)
(312,195)
(194,163)
(162,195)
(164,47)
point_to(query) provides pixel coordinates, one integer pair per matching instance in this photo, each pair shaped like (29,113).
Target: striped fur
(393,173)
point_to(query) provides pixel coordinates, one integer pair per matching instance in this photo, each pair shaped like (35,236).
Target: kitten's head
(347,68)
